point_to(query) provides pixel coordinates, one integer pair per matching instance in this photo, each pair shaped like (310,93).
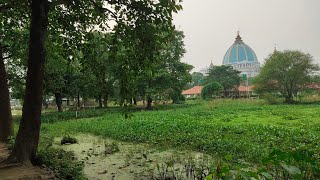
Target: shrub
(270,98)
(71,115)
(111,148)
(68,139)
(210,90)
(61,162)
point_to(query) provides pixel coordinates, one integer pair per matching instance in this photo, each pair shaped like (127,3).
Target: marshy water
(109,159)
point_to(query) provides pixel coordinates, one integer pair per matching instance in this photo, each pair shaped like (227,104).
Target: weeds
(110,148)
(249,130)
(67,139)
(61,162)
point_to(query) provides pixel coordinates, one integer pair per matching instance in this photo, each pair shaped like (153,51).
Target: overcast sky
(210,27)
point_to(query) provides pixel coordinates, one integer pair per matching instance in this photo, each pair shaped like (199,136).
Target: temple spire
(238,38)
(275,48)
(211,64)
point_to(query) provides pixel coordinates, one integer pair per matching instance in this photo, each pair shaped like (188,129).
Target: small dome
(239,52)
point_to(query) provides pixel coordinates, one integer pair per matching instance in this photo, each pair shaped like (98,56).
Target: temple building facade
(241,57)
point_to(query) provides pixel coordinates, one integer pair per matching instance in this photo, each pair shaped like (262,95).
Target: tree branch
(4,7)
(57,3)
(102,9)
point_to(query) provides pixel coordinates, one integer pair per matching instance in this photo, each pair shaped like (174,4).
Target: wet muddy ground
(109,159)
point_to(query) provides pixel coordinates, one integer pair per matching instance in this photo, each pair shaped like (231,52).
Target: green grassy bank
(245,129)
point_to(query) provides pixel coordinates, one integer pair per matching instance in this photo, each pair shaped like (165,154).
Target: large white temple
(241,57)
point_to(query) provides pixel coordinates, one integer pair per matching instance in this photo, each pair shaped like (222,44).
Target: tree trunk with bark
(68,102)
(27,140)
(6,127)
(78,100)
(134,101)
(100,101)
(58,97)
(105,100)
(149,102)
(225,93)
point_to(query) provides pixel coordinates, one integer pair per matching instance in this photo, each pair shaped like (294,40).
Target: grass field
(245,129)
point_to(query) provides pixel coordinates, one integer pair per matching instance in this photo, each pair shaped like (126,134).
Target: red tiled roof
(313,86)
(193,91)
(245,88)
(197,90)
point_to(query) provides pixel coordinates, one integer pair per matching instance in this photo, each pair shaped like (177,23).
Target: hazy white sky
(210,27)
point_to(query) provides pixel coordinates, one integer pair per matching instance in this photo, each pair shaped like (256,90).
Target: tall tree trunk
(149,102)
(6,128)
(135,101)
(58,97)
(27,140)
(289,99)
(68,102)
(78,100)
(225,93)
(105,100)
(100,101)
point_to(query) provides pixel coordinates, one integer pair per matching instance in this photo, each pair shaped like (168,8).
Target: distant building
(241,91)
(242,58)
(205,70)
(193,92)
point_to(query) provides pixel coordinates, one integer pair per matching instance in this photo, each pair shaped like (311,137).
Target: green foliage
(110,148)
(210,90)
(197,79)
(96,61)
(270,98)
(67,139)
(62,162)
(253,129)
(71,115)
(228,77)
(303,164)
(158,71)
(285,72)
(178,98)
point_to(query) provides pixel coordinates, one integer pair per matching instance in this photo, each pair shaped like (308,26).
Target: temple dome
(240,53)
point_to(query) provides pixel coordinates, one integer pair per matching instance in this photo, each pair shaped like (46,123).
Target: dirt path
(21,172)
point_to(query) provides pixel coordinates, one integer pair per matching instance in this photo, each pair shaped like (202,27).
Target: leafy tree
(166,76)
(225,75)
(97,59)
(157,71)
(12,22)
(197,78)
(210,90)
(286,72)
(6,127)
(178,72)
(171,75)
(55,71)
(70,16)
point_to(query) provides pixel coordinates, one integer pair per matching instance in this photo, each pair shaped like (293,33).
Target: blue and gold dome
(240,53)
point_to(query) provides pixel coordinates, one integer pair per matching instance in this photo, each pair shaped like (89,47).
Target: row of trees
(228,79)
(73,52)
(96,72)
(285,73)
